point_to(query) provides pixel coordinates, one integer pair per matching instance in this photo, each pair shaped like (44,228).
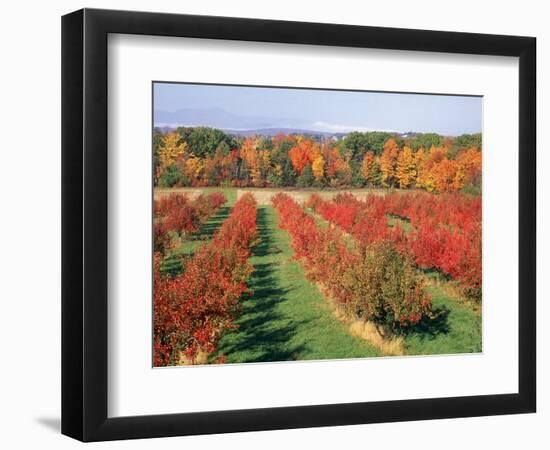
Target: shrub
(179,214)
(161,238)
(365,220)
(375,282)
(191,310)
(385,287)
(445,236)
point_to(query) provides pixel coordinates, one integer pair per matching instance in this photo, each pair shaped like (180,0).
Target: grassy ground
(404,224)
(286,318)
(457,329)
(229,192)
(188,245)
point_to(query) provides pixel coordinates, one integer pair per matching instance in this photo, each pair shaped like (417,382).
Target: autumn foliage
(364,220)
(303,154)
(445,235)
(438,165)
(193,309)
(445,230)
(178,214)
(375,282)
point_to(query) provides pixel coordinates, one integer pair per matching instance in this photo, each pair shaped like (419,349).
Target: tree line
(202,156)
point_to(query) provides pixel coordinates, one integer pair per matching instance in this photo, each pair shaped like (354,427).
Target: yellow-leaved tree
(193,168)
(405,171)
(431,176)
(388,162)
(171,149)
(318,167)
(459,178)
(249,154)
(265,166)
(367,165)
(420,162)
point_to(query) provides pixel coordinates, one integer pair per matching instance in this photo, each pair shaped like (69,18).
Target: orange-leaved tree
(303,154)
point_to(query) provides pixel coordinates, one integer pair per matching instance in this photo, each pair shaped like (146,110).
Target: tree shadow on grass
(265,245)
(173,264)
(435,274)
(431,327)
(207,230)
(263,334)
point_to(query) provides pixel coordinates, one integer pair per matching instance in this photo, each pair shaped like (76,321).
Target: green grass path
(286,318)
(186,246)
(456,330)
(174,260)
(207,229)
(204,234)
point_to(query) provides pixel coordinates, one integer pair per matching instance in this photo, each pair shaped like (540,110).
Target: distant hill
(266,132)
(215,118)
(270,132)
(240,125)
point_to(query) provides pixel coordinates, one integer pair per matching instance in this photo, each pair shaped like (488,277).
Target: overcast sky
(236,107)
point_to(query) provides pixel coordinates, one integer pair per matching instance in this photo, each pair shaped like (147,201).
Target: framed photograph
(273,224)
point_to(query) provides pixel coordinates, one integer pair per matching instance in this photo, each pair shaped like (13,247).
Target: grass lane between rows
(286,317)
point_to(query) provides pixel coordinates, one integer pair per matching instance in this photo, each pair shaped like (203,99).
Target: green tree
(359,143)
(223,149)
(465,141)
(279,157)
(289,176)
(356,176)
(265,144)
(425,140)
(157,142)
(171,176)
(306,178)
(203,141)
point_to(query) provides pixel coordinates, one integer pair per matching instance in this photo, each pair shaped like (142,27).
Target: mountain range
(243,125)
(218,118)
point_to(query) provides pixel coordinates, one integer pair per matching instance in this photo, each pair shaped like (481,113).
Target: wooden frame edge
(84,225)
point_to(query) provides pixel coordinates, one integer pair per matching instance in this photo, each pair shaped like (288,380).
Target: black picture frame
(84,224)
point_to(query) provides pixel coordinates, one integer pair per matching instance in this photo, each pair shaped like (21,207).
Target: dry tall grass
(388,345)
(264,195)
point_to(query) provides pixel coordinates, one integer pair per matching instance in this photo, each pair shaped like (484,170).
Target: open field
(263,195)
(286,316)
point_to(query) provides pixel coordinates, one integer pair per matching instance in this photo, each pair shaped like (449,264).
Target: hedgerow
(178,214)
(446,234)
(193,309)
(374,282)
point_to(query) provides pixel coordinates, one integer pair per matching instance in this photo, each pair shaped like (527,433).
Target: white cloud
(338,128)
